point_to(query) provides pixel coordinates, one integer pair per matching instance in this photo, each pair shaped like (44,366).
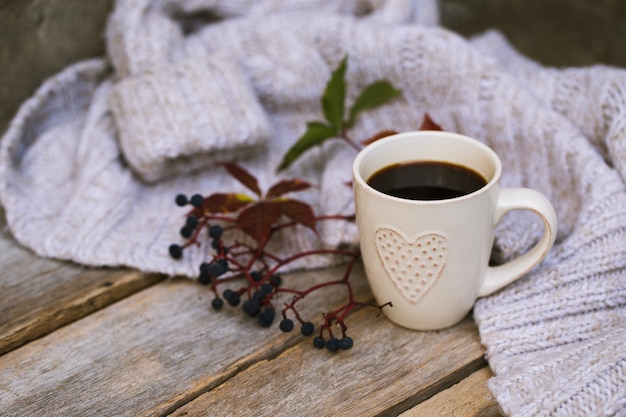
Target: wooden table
(78,341)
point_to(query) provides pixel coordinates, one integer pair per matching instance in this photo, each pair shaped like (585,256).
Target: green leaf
(374,95)
(333,100)
(316,133)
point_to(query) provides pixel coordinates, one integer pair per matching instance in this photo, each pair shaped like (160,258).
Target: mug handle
(524,199)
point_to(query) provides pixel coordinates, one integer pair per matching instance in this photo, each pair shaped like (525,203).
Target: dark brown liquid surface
(426,180)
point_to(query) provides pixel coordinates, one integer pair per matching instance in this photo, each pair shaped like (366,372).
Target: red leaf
(297,211)
(429,124)
(287,186)
(379,135)
(257,220)
(225,203)
(244,177)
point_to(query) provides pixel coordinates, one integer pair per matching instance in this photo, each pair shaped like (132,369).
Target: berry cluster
(259,218)
(211,219)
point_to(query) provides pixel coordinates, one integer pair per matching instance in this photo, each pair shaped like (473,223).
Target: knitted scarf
(90,165)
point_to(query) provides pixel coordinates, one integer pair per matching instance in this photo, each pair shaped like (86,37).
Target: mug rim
(359,180)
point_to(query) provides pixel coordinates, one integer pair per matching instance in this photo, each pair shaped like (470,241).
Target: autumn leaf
(379,135)
(244,177)
(297,211)
(257,220)
(225,202)
(429,124)
(287,186)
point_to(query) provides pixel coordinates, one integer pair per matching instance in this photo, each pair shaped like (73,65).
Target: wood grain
(147,354)
(388,371)
(470,397)
(40,295)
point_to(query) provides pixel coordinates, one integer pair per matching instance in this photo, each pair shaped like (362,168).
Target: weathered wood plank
(388,371)
(147,354)
(470,397)
(39,295)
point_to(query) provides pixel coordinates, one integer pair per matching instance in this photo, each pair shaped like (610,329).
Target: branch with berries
(261,215)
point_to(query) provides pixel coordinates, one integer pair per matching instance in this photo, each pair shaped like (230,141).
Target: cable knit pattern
(90,165)
(556,339)
(159,140)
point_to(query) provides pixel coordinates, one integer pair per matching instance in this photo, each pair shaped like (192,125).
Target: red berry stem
(346,138)
(259,268)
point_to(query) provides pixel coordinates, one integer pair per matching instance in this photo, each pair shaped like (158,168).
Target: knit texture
(159,140)
(90,165)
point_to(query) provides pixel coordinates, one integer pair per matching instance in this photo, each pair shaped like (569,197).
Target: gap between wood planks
(444,383)
(39,295)
(435,356)
(104,287)
(375,378)
(244,364)
(470,397)
(487,408)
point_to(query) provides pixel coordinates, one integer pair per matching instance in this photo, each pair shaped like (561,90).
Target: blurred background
(38,38)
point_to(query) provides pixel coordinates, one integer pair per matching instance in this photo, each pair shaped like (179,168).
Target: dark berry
(267,288)
(217,303)
(251,307)
(259,295)
(332,344)
(319,342)
(176,251)
(186,231)
(266,318)
(346,343)
(215,231)
(269,313)
(263,321)
(234,299)
(307,328)
(228,294)
(221,249)
(191,222)
(286,325)
(276,280)
(256,276)
(197,200)
(204,278)
(216,269)
(181,200)
(222,263)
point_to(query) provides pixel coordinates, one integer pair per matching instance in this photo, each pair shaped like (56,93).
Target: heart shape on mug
(412,266)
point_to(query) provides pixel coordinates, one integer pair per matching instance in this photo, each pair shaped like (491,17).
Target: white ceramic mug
(430,258)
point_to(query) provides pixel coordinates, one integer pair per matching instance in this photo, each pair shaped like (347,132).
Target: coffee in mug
(426,180)
(427,204)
